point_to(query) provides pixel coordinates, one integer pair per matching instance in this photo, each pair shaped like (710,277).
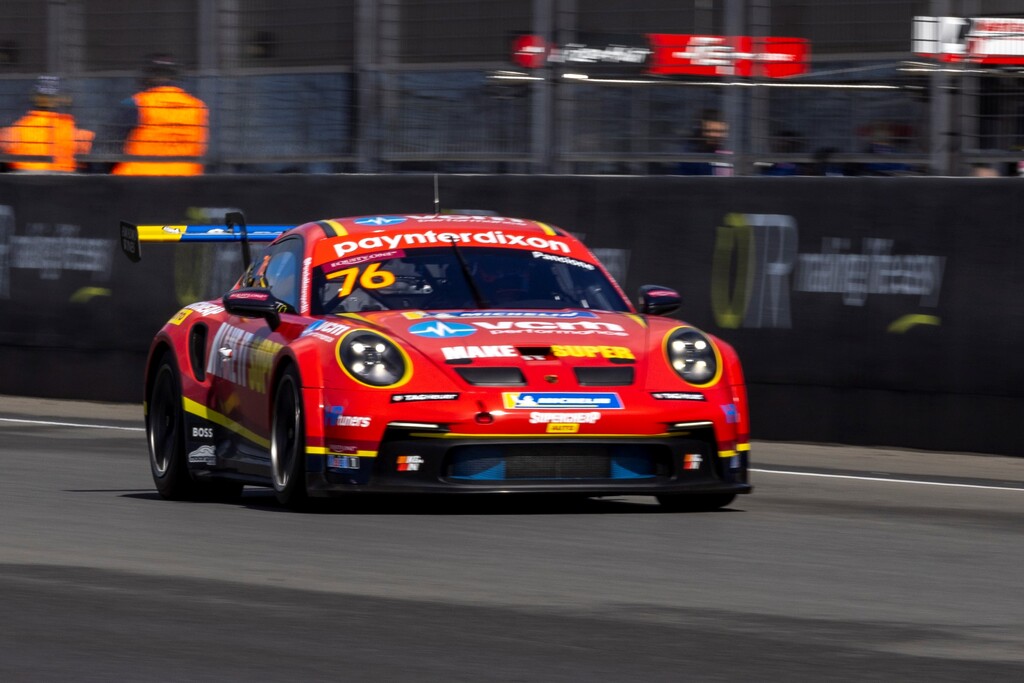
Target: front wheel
(288,443)
(695,502)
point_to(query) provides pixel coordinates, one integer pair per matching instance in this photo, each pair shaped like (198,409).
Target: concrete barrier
(876,311)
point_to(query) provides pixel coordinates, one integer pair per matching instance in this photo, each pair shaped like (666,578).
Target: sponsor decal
(463,352)
(342,462)
(204,455)
(732,416)
(380,221)
(249,361)
(442,330)
(335,417)
(692,461)
(564,259)
(416,398)
(409,463)
(471,218)
(439,329)
(542,400)
(255,296)
(325,330)
(305,286)
(206,308)
(562,428)
(202,432)
(561,351)
(567,418)
(352,421)
(344,247)
(180,316)
(561,315)
(678,396)
(583,327)
(359,260)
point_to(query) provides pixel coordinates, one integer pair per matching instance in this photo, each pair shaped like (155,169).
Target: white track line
(889,480)
(71,424)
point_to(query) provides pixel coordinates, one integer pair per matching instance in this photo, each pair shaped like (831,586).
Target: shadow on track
(517,504)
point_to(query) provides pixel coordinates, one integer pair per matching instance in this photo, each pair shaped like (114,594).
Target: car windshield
(443,278)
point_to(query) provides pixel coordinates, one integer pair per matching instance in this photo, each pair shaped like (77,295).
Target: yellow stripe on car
(199,410)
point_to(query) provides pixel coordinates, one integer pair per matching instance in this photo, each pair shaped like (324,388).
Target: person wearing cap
(162,120)
(46,130)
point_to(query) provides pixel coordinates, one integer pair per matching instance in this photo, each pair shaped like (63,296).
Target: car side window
(282,271)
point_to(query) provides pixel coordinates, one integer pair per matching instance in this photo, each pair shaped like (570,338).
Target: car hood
(504,338)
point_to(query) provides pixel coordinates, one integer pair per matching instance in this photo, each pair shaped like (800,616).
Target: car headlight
(372,359)
(692,355)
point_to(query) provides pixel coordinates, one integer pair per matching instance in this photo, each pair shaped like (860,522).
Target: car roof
(378,223)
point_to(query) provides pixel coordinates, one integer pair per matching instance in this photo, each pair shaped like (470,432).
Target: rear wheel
(288,442)
(164,427)
(166,435)
(695,502)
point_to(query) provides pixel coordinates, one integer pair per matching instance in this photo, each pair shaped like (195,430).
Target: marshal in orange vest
(171,123)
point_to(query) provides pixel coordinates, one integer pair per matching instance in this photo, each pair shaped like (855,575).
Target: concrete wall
(879,311)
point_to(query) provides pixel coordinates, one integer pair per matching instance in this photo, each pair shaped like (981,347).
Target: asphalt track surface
(845,564)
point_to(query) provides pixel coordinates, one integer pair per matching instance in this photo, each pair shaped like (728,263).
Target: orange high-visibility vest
(172,123)
(45,133)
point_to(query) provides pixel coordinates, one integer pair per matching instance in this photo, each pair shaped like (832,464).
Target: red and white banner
(671,54)
(980,40)
(745,56)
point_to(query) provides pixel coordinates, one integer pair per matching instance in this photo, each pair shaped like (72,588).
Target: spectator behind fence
(709,137)
(885,141)
(46,130)
(984,171)
(162,120)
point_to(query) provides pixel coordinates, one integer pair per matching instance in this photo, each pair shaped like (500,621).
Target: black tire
(165,431)
(695,502)
(288,442)
(166,434)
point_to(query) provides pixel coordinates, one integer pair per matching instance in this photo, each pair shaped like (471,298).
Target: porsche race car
(456,354)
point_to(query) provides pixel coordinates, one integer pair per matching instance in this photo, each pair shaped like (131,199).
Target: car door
(243,351)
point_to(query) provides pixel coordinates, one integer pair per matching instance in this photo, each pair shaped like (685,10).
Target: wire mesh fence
(602,86)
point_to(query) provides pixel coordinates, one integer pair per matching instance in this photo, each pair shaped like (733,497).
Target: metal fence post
(734,95)
(542,139)
(367,86)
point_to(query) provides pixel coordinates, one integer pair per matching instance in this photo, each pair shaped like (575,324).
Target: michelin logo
(540,400)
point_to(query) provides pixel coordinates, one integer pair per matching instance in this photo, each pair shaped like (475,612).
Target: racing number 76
(372,278)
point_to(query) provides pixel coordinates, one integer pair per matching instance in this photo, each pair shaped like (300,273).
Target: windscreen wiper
(478,298)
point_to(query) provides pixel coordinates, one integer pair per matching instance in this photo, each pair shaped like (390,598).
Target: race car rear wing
(233,230)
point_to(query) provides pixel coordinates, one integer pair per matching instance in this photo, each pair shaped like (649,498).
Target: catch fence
(886,87)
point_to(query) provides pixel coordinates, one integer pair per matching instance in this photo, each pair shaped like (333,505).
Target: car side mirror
(658,300)
(256,302)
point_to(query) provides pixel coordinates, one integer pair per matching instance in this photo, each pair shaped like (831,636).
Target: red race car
(458,354)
